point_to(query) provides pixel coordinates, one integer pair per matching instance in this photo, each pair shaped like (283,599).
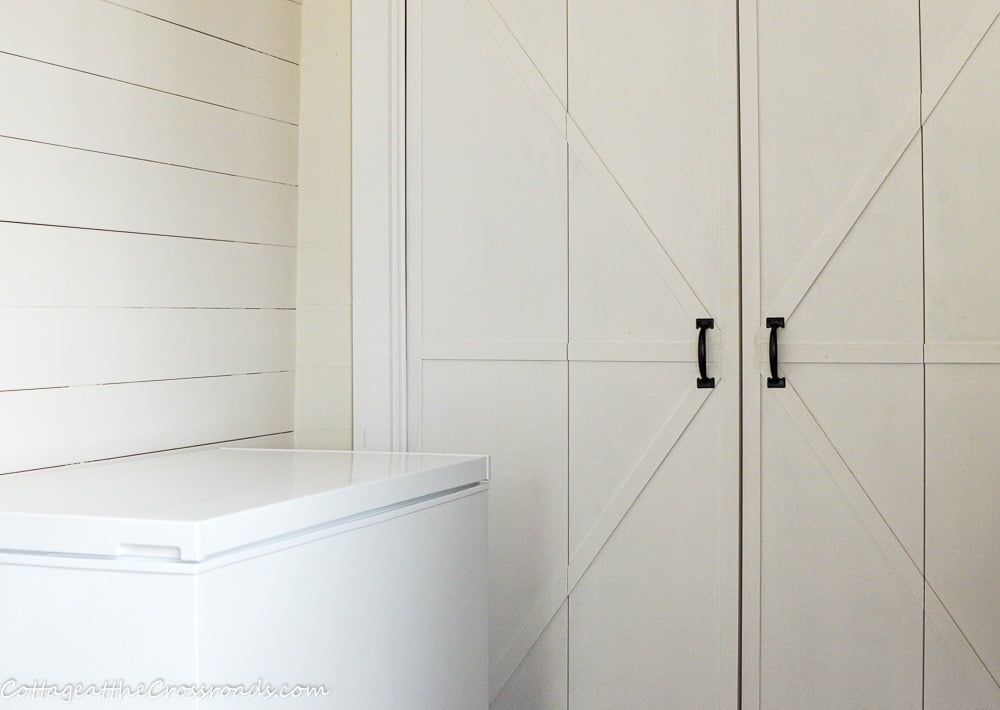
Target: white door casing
(378,225)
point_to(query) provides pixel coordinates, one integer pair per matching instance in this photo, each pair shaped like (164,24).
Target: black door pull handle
(704,325)
(774,382)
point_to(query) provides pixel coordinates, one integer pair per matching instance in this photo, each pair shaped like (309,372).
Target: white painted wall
(148,207)
(323,381)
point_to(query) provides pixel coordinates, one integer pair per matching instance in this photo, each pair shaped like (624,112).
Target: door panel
(540,27)
(871,289)
(653,246)
(841,614)
(954,677)
(653,463)
(540,680)
(651,87)
(860,407)
(645,622)
(617,410)
(492,209)
(515,411)
(486,301)
(941,23)
(604,255)
(834,81)
(962,155)
(963,526)
(833,466)
(962,168)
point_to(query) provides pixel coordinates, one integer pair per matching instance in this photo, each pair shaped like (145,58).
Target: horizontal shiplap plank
(55,266)
(112,41)
(55,347)
(51,104)
(270,26)
(51,185)
(42,428)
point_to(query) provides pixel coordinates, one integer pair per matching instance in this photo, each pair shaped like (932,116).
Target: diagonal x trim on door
(972,34)
(904,565)
(563,582)
(631,488)
(522,62)
(985,687)
(531,630)
(907,129)
(864,507)
(597,537)
(637,225)
(606,181)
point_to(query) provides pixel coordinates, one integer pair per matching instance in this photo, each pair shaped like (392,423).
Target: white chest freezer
(237,578)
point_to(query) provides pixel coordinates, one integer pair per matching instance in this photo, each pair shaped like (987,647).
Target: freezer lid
(192,505)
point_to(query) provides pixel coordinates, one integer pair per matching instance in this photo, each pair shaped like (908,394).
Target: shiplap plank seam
(71,425)
(109,193)
(145,124)
(51,347)
(149,381)
(133,232)
(201,32)
(147,160)
(158,451)
(148,88)
(102,38)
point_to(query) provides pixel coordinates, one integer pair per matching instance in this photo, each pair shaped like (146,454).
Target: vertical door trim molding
(378,203)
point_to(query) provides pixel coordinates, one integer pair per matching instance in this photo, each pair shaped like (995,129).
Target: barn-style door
(871,321)
(573,249)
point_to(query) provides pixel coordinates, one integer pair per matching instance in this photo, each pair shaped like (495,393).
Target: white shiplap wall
(148,198)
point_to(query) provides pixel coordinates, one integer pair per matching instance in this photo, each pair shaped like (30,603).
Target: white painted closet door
(654,461)
(487,321)
(560,337)
(833,468)
(961,106)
